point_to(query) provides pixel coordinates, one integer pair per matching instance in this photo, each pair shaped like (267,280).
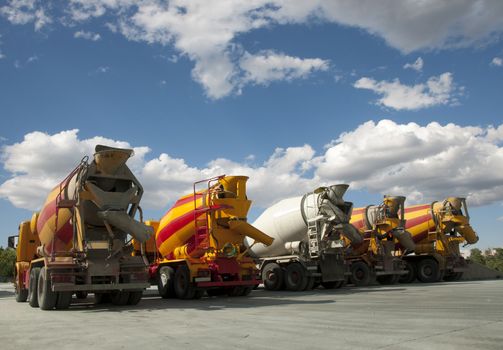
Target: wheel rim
(359,274)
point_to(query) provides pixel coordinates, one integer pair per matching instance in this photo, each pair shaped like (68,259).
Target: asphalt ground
(458,315)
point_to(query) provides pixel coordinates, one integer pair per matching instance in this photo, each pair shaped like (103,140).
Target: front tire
(427,271)
(272,276)
(360,274)
(32,288)
(135,297)
(21,294)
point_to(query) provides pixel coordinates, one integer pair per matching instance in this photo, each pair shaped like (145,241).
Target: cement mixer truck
(382,227)
(308,247)
(80,240)
(200,242)
(438,229)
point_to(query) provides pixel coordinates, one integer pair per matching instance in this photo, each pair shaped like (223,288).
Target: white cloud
(26,11)
(438,90)
(424,163)
(87,35)
(207,32)
(268,66)
(417,65)
(497,61)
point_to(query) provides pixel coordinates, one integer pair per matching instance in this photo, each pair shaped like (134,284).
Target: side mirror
(11,242)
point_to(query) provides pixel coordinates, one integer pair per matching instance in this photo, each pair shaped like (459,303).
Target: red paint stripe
(47,212)
(173,226)
(186,200)
(417,221)
(358,211)
(413,209)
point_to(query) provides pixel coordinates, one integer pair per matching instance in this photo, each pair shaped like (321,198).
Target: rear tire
(32,288)
(410,276)
(64,300)
(215,292)
(360,274)
(295,277)
(101,298)
(310,283)
(427,271)
(272,276)
(46,297)
(119,298)
(184,289)
(21,294)
(135,297)
(165,282)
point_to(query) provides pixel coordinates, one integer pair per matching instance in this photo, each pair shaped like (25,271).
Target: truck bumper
(70,287)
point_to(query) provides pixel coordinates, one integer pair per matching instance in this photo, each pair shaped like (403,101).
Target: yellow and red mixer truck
(79,242)
(199,242)
(382,226)
(437,230)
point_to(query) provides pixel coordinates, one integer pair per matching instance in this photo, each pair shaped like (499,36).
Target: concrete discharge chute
(308,247)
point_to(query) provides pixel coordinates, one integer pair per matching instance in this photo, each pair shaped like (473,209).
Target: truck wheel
(184,289)
(410,276)
(21,294)
(81,294)
(135,297)
(119,298)
(360,274)
(295,277)
(427,271)
(165,282)
(64,300)
(387,280)
(46,297)
(32,288)
(272,275)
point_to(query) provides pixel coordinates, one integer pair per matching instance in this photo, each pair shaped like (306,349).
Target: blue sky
(391,97)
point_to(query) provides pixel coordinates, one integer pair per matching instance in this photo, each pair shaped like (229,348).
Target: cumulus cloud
(26,11)
(87,35)
(268,66)
(207,32)
(439,90)
(417,65)
(497,61)
(422,162)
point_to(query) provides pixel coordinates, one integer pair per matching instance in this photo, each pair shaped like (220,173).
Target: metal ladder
(202,226)
(313,238)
